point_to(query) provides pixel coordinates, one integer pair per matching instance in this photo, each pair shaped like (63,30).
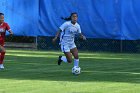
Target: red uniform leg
(2,52)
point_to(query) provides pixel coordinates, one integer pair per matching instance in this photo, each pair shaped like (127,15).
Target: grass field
(37,72)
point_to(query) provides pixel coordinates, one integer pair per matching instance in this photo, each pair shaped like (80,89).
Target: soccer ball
(76,70)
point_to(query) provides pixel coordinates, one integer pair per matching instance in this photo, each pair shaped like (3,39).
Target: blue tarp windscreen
(108,19)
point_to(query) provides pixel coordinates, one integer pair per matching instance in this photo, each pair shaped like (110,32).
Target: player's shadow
(44,68)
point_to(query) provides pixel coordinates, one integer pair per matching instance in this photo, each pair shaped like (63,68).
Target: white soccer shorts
(67,47)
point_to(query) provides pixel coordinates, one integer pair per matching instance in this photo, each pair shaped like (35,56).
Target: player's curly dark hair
(69,18)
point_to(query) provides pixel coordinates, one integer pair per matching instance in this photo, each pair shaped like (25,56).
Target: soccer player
(68,30)
(3,28)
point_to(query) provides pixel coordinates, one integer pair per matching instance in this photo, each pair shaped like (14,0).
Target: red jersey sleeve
(7,27)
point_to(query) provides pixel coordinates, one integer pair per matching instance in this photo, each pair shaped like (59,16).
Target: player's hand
(11,34)
(54,40)
(84,38)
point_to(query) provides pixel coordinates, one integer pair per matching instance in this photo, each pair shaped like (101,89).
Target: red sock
(2,57)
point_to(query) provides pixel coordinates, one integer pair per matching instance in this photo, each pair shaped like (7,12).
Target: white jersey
(68,32)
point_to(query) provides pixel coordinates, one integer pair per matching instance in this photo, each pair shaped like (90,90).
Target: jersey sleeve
(63,26)
(79,29)
(7,27)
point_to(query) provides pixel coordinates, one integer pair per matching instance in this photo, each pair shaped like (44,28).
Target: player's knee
(2,50)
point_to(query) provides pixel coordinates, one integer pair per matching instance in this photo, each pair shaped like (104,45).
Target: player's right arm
(56,36)
(61,28)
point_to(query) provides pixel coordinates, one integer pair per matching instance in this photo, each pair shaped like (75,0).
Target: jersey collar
(73,24)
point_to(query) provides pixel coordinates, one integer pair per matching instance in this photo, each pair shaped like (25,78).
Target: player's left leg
(2,55)
(68,57)
(74,52)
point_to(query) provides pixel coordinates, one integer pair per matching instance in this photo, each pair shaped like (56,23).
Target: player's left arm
(80,33)
(9,30)
(82,36)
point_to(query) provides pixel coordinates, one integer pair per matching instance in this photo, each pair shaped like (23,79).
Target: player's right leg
(2,50)
(67,58)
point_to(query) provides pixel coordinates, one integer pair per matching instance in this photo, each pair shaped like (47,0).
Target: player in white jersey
(68,30)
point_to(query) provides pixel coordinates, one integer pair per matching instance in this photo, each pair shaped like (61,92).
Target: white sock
(1,66)
(64,59)
(76,62)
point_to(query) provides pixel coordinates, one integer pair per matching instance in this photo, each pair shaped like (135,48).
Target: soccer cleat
(59,60)
(1,66)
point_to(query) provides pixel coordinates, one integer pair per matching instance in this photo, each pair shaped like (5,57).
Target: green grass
(37,72)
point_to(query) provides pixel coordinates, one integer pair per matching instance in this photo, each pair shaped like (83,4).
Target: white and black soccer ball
(76,70)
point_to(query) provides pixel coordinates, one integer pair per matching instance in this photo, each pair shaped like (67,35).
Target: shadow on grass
(93,70)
